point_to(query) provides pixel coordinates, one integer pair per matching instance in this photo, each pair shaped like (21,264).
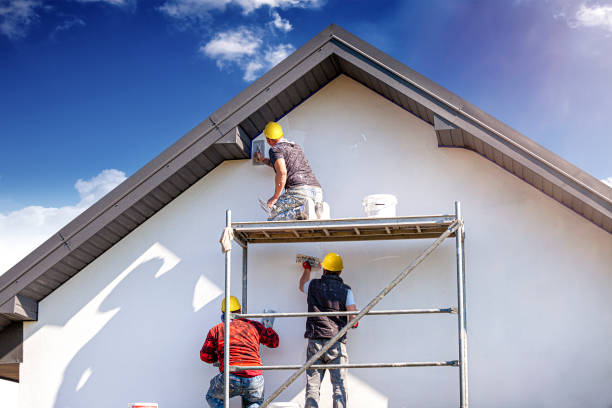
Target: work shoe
(308,210)
(323,211)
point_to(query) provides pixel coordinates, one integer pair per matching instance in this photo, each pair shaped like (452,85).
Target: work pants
(290,205)
(337,354)
(251,389)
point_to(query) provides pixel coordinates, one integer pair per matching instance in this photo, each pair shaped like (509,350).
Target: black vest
(327,294)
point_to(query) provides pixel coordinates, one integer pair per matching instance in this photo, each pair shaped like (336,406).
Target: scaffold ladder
(356,229)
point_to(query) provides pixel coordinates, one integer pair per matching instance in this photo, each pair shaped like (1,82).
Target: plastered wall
(129,327)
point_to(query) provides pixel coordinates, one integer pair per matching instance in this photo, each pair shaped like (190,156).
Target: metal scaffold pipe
(452,363)
(463,362)
(455,224)
(449,310)
(226,319)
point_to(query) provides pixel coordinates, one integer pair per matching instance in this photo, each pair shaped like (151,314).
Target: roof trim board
(227,133)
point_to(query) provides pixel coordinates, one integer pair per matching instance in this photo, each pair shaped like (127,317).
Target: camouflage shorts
(290,205)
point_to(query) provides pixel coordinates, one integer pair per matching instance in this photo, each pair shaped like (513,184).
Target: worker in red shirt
(245,337)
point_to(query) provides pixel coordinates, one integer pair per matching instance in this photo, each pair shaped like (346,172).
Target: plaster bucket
(143,405)
(379,205)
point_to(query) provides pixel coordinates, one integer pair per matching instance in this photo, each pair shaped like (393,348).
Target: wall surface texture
(129,327)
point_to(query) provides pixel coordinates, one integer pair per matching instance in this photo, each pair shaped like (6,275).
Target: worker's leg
(216,393)
(252,391)
(338,377)
(313,377)
(291,205)
(287,206)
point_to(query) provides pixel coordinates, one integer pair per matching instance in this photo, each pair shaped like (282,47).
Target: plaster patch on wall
(204,292)
(86,374)
(363,140)
(384,258)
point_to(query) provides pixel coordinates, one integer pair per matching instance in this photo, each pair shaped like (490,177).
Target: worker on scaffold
(245,337)
(327,294)
(302,198)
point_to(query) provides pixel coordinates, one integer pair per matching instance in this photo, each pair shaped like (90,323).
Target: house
(114,307)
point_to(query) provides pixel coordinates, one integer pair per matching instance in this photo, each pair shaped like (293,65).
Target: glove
(306,265)
(356,325)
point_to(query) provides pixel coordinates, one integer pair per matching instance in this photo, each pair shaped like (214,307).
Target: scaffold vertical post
(463,361)
(226,335)
(245,277)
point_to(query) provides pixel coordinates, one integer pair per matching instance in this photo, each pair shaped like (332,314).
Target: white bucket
(142,405)
(380,205)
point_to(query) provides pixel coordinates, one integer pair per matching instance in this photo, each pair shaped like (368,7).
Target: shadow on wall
(140,353)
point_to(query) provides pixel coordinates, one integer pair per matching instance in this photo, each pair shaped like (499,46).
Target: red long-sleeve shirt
(245,337)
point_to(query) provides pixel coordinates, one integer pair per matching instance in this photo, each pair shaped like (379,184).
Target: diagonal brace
(452,228)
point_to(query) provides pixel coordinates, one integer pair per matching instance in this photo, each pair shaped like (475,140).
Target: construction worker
(327,294)
(245,336)
(302,198)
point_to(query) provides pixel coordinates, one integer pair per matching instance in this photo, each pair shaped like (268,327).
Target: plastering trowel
(268,322)
(315,263)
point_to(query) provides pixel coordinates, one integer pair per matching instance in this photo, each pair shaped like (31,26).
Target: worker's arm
(267,335)
(259,157)
(279,180)
(305,275)
(352,308)
(208,353)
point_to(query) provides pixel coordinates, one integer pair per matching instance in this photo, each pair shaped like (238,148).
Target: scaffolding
(439,227)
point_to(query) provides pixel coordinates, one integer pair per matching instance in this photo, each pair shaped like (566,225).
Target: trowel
(315,263)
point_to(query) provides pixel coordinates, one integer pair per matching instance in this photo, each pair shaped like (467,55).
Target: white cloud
(251,70)
(243,48)
(21,231)
(16,17)
(250,5)
(281,23)
(593,16)
(67,25)
(276,54)
(119,3)
(232,46)
(607,181)
(200,9)
(191,8)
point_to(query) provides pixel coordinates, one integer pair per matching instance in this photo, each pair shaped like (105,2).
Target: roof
(227,135)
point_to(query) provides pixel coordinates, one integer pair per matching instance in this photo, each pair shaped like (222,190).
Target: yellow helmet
(234,304)
(332,262)
(273,131)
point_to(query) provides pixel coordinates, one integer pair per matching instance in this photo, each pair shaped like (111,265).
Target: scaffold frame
(439,227)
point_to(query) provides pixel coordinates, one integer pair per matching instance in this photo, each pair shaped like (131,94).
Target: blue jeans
(251,389)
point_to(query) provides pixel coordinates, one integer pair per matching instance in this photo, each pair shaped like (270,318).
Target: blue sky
(91,90)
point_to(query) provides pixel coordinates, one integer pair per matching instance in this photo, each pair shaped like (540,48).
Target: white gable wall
(129,326)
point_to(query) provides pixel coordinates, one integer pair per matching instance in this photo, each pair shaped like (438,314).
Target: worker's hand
(272,201)
(356,325)
(306,265)
(259,157)
(216,364)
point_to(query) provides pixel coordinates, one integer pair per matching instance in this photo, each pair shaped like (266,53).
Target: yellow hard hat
(273,131)
(332,262)
(234,304)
